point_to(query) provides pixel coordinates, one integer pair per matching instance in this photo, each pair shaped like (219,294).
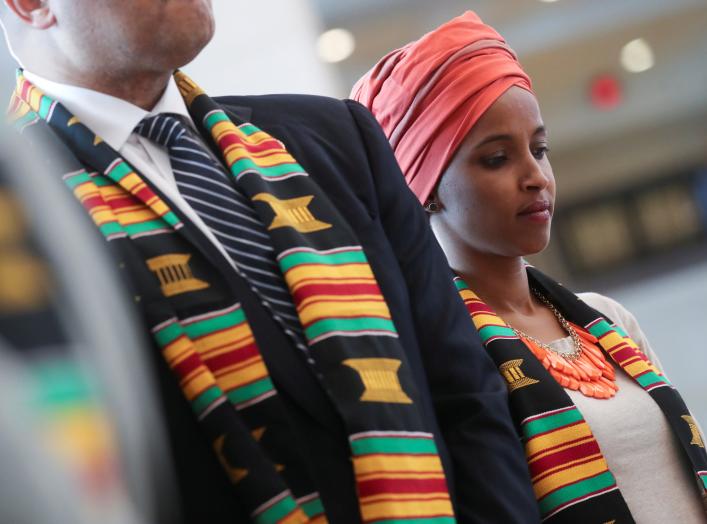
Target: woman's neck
(501,282)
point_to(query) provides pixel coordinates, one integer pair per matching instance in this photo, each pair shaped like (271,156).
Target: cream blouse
(636,440)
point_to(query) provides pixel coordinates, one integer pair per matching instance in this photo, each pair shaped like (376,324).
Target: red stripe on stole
(561,457)
(576,423)
(123,202)
(94,201)
(230,139)
(477,307)
(145,194)
(188,365)
(621,356)
(232,357)
(311,290)
(26,87)
(263,147)
(377,486)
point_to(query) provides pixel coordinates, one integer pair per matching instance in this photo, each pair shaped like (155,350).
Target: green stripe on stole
(250,391)
(207,326)
(277,512)
(488,332)
(307,257)
(168,334)
(413,446)
(549,423)
(348,324)
(576,490)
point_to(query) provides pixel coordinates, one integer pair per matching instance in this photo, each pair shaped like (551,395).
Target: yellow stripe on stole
(298,516)
(112,192)
(225,127)
(343,281)
(35,95)
(468,295)
(557,449)
(132,182)
(231,339)
(392,463)
(341,271)
(101,215)
(177,351)
(259,137)
(234,379)
(394,475)
(556,438)
(338,298)
(405,496)
(235,367)
(484,319)
(263,159)
(568,476)
(343,309)
(402,509)
(85,190)
(197,382)
(636,368)
(135,217)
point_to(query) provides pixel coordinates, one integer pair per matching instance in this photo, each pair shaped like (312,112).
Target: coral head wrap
(428,94)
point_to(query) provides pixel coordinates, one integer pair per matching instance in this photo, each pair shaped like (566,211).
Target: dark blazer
(342,148)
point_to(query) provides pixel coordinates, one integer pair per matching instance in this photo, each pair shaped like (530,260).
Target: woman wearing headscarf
(607,437)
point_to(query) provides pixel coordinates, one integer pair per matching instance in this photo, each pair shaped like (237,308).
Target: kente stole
(571,478)
(350,334)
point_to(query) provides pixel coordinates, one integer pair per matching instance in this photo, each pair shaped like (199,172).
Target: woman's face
(497,195)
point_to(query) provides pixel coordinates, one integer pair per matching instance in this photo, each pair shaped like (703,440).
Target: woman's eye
(494,161)
(540,152)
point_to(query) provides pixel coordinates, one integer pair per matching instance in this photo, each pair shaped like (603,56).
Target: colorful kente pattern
(400,478)
(214,354)
(566,465)
(624,351)
(335,293)
(570,476)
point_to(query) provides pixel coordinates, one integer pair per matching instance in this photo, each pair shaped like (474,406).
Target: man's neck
(141,90)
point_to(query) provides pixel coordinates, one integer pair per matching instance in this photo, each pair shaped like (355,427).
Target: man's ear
(36,13)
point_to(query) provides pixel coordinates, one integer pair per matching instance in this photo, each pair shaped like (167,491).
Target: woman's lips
(537,212)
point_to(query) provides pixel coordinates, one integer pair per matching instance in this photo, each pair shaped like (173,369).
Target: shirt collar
(109,117)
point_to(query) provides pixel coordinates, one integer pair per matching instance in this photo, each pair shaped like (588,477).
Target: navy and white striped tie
(211,192)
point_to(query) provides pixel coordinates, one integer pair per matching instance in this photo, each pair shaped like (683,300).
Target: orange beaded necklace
(585,369)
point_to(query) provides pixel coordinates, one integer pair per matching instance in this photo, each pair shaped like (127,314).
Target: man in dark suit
(313,347)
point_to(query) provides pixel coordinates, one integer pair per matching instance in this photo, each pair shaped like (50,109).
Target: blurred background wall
(622,90)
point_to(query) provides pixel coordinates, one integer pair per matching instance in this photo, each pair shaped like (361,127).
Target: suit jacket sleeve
(490,473)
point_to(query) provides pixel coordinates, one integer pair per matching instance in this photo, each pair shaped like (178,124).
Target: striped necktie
(206,186)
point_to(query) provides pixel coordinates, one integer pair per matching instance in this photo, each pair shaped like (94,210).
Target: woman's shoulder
(607,306)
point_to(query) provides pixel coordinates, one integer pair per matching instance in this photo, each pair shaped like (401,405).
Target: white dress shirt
(114,120)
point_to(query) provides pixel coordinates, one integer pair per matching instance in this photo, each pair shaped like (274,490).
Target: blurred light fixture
(335,45)
(548,1)
(637,56)
(605,92)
